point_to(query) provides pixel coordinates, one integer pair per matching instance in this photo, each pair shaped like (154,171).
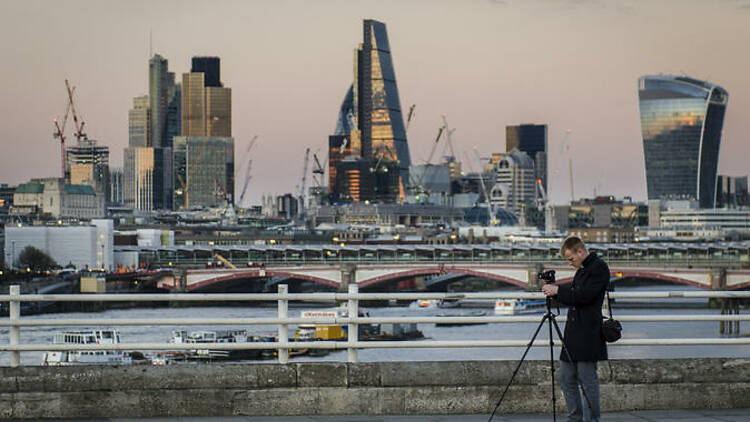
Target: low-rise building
(53,198)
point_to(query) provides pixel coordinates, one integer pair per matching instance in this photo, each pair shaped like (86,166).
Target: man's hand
(549,289)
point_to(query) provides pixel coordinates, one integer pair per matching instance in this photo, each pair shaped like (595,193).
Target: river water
(499,331)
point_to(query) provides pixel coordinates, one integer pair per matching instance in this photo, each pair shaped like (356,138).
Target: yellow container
(329,332)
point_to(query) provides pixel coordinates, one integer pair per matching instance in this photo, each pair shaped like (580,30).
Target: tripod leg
(553,321)
(518,366)
(550,320)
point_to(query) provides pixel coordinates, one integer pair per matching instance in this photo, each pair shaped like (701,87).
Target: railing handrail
(243,297)
(283,344)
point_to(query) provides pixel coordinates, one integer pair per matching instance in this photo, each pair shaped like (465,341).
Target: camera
(548,276)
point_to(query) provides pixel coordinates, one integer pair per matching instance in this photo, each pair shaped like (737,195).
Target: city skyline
(485,64)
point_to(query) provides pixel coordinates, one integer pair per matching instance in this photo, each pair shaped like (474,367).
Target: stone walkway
(712,415)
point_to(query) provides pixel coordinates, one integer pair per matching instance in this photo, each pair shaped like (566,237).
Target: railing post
(15,331)
(353,329)
(283,351)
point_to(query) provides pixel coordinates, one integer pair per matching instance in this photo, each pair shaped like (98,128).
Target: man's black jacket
(584,297)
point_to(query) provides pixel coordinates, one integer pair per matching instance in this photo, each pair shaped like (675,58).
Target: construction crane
(303,185)
(448,132)
(540,195)
(79,133)
(318,171)
(565,148)
(59,133)
(246,180)
(435,144)
(410,115)
(490,207)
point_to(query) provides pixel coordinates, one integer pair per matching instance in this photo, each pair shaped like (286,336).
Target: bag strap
(609,307)
(609,303)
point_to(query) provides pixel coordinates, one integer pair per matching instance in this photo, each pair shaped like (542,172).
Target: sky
(571,64)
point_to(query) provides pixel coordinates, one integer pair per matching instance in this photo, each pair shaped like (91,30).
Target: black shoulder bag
(611,328)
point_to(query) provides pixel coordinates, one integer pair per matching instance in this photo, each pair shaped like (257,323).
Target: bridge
(436,276)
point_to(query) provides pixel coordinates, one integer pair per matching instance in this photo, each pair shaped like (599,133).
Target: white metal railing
(352,343)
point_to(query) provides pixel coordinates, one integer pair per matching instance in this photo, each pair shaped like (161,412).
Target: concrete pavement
(705,415)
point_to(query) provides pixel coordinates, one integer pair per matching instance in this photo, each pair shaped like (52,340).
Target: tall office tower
(139,123)
(193,105)
(514,187)
(174,113)
(116,186)
(210,67)
(206,104)
(88,164)
(138,175)
(681,124)
(160,86)
(531,139)
(204,171)
(371,121)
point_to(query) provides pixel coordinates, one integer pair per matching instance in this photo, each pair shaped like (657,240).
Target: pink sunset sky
(572,64)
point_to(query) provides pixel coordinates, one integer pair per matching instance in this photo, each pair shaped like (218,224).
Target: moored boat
(518,306)
(204,339)
(87,357)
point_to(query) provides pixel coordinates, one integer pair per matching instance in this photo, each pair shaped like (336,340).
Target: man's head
(574,251)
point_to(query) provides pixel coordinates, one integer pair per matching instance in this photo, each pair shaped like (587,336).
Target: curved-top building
(681,125)
(370,127)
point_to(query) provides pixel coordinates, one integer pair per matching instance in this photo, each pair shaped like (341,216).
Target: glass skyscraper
(371,121)
(531,139)
(681,124)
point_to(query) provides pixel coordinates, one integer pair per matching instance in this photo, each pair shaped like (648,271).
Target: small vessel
(519,306)
(203,340)
(87,357)
(448,303)
(427,303)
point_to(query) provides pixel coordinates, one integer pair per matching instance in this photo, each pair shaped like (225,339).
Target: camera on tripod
(548,276)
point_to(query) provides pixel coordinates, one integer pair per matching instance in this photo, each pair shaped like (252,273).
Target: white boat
(87,357)
(203,339)
(425,303)
(519,306)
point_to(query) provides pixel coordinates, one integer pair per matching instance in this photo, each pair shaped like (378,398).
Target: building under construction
(88,164)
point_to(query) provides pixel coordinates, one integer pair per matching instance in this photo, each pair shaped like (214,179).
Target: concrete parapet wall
(331,388)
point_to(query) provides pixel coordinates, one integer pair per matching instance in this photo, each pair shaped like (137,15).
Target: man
(583,330)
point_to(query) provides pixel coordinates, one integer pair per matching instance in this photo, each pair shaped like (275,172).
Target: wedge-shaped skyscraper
(681,124)
(370,128)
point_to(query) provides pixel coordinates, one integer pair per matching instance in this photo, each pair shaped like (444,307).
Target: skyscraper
(371,121)
(206,103)
(152,123)
(160,86)
(531,139)
(681,124)
(139,123)
(204,171)
(210,67)
(204,154)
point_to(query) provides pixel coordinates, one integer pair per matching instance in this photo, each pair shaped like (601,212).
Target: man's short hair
(572,243)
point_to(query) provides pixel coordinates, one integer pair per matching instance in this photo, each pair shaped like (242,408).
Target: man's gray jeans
(584,374)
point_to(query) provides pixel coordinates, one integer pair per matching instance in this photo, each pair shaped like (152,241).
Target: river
(500,331)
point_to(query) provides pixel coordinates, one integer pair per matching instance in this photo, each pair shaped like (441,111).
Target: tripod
(549,317)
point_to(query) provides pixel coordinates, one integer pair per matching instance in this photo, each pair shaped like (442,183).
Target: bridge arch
(256,274)
(657,275)
(374,281)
